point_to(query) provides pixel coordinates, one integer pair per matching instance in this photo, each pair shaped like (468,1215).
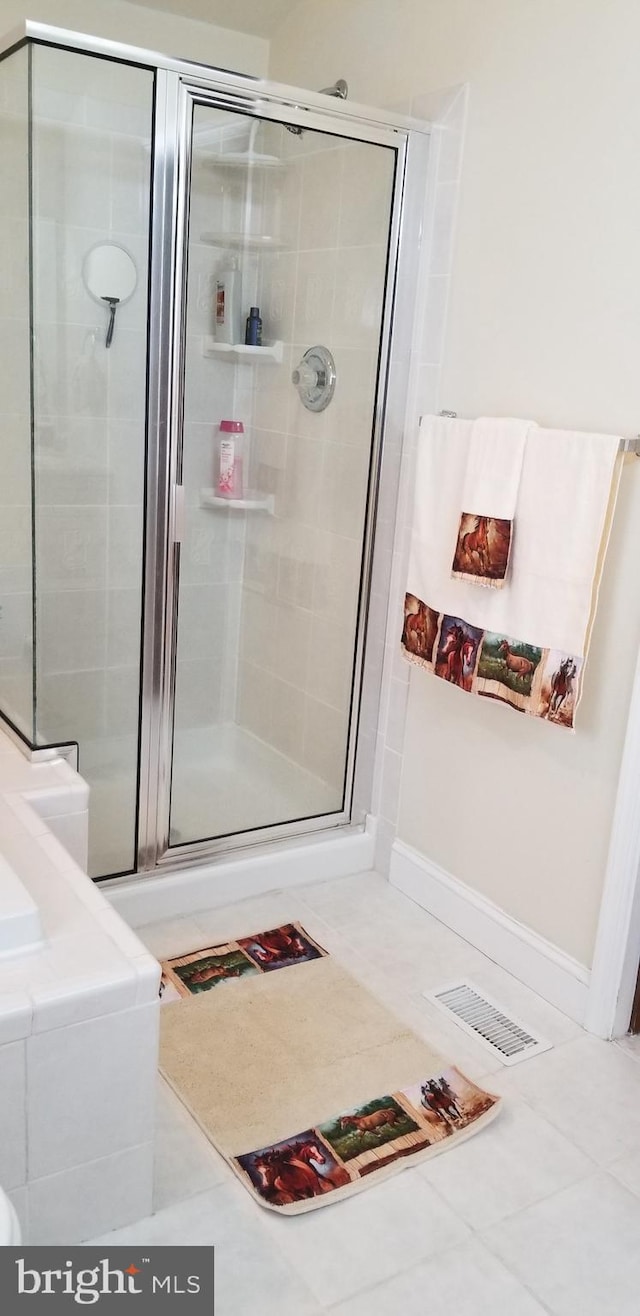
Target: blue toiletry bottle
(253,334)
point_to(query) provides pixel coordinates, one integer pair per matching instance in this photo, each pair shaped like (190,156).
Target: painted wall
(172,35)
(543,321)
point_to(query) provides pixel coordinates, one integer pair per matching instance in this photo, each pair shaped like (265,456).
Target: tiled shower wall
(91,178)
(211,556)
(302,565)
(447,113)
(16,682)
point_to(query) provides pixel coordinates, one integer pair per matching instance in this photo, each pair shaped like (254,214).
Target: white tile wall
(16,1013)
(76,1203)
(78,1027)
(78,1112)
(13,1144)
(213,551)
(302,573)
(91,181)
(427,338)
(15,514)
(72,831)
(18,1199)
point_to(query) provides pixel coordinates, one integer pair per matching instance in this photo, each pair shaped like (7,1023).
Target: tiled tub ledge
(78,1021)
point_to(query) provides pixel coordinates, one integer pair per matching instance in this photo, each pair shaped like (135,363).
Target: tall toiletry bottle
(228,303)
(229,476)
(253,331)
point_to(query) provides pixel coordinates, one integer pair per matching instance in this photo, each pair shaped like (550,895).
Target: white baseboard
(539,964)
(143,900)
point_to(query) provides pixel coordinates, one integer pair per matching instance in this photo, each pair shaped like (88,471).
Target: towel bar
(631,445)
(626,445)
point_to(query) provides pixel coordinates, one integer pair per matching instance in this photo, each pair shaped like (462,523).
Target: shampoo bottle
(253,330)
(228,303)
(229,476)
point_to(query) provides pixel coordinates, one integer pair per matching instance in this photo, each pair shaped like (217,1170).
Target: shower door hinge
(177,514)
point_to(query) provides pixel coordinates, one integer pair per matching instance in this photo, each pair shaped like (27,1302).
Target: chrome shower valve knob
(315,378)
(305,377)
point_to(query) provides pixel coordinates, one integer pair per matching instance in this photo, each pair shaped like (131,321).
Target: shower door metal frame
(167,362)
(179,85)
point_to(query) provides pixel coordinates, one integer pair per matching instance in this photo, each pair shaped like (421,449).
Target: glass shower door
(269,585)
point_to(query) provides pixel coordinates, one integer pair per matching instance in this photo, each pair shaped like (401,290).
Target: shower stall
(214,653)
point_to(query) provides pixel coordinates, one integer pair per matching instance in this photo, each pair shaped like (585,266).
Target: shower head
(339,89)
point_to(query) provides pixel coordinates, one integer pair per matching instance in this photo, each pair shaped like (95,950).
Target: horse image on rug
(448,1102)
(369,1139)
(368,1127)
(457,652)
(188,975)
(281,947)
(482,548)
(204,970)
(294,1170)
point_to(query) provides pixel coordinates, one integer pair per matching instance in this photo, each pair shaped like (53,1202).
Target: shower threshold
(229,782)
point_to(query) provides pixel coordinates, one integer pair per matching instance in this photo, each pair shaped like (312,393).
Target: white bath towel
(525,645)
(485,532)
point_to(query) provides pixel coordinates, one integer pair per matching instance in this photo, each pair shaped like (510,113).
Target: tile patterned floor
(540,1213)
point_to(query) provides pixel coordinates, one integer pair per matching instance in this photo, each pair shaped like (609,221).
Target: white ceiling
(260,18)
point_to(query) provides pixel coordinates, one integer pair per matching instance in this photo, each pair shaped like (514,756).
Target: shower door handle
(177,514)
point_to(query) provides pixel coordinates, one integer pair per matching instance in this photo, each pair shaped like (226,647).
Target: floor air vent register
(501,1033)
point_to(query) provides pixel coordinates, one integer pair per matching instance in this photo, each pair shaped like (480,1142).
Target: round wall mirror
(110,276)
(109,273)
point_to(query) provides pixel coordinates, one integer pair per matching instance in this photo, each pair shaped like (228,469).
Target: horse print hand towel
(524,646)
(492,479)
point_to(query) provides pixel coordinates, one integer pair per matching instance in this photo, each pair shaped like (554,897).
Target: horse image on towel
(482,549)
(457,652)
(560,687)
(509,666)
(420,628)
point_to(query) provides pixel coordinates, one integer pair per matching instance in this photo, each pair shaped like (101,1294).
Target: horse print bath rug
(309,1087)
(187,975)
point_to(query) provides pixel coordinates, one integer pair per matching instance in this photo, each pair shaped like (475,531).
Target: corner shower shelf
(242,353)
(246,241)
(255,502)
